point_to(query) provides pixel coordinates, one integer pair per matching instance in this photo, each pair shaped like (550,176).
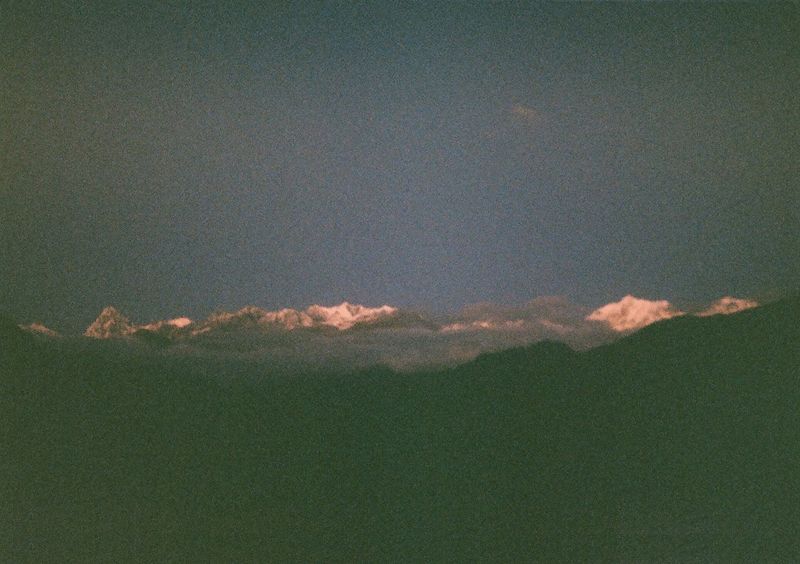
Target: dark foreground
(679,443)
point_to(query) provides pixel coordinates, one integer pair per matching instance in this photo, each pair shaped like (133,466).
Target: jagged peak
(110,323)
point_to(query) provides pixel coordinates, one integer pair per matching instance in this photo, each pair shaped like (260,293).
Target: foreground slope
(680,442)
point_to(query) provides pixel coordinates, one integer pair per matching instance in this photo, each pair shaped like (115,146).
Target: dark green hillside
(680,442)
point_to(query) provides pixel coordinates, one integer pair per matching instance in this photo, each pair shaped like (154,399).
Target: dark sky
(171,160)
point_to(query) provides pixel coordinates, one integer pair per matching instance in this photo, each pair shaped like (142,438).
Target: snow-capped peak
(110,323)
(177,323)
(345,315)
(632,313)
(727,305)
(255,317)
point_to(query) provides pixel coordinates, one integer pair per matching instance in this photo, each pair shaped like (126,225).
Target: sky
(175,159)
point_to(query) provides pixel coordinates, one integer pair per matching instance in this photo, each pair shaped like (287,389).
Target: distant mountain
(631,313)
(39,329)
(727,305)
(11,334)
(481,327)
(110,324)
(252,318)
(346,315)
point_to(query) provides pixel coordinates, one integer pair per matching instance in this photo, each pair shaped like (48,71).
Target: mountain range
(630,313)
(351,336)
(112,324)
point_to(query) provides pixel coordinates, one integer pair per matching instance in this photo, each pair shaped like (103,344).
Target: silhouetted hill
(678,443)
(547,353)
(13,340)
(9,328)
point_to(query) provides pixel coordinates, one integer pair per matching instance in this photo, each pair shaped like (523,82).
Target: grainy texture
(678,443)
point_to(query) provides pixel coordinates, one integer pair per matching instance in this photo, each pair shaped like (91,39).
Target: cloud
(512,324)
(632,313)
(548,317)
(727,305)
(525,112)
(554,308)
(557,327)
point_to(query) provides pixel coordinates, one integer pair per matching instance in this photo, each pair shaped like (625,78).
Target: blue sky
(171,160)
